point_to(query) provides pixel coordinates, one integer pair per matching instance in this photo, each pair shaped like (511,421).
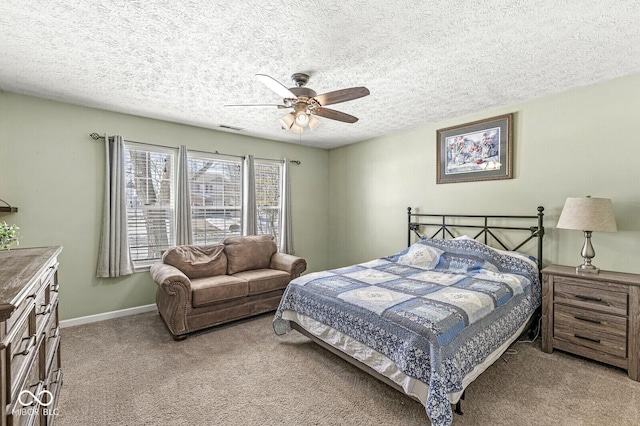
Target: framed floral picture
(481,150)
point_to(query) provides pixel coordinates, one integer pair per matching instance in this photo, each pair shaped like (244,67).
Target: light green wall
(53,172)
(349,204)
(581,142)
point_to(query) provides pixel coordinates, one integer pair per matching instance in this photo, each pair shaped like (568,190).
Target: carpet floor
(129,371)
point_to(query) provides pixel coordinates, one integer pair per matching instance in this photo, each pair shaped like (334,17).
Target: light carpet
(129,371)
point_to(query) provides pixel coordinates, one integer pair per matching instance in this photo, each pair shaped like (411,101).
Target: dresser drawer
(52,337)
(602,332)
(588,296)
(20,351)
(47,279)
(53,386)
(15,319)
(43,308)
(25,408)
(584,319)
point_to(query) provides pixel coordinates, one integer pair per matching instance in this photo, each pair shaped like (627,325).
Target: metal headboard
(444,225)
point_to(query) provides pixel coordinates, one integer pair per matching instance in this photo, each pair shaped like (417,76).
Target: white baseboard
(107,315)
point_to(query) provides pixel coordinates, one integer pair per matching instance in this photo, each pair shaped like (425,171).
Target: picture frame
(476,151)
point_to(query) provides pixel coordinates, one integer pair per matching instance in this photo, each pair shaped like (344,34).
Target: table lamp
(588,214)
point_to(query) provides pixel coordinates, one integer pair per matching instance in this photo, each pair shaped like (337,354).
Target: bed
(431,318)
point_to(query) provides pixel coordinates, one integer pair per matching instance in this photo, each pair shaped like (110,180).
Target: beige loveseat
(202,286)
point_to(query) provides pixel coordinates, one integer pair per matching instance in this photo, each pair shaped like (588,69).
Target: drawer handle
(587,338)
(30,345)
(58,375)
(594,321)
(56,333)
(591,298)
(46,310)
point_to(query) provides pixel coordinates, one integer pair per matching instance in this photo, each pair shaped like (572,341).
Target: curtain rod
(96,136)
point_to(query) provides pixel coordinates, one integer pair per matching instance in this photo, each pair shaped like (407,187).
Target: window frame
(144,264)
(277,228)
(141,265)
(219,158)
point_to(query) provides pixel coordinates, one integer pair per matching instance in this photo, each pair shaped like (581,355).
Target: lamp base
(587,254)
(589,268)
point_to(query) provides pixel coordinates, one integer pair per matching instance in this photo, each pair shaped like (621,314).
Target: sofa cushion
(197,261)
(247,253)
(264,280)
(206,291)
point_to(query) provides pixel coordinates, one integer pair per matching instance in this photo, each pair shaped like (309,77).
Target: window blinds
(215,195)
(149,176)
(215,185)
(268,175)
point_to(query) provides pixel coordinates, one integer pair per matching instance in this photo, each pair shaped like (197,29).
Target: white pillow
(421,256)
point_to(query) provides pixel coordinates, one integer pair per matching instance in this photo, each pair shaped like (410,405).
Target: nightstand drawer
(574,293)
(609,336)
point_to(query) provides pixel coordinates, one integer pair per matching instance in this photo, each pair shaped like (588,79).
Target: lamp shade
(588,214)
(287,121)
(313,122)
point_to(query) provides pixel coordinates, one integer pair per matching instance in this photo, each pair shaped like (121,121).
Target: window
(268,177)
(215,190)
(215,185)
(150,177)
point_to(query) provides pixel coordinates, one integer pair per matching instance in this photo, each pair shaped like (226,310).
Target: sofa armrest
(294,265)
(165,275)
(173,297)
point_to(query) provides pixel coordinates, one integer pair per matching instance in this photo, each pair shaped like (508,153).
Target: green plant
(8,235)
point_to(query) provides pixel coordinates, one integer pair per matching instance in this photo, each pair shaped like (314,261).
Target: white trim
(107,315)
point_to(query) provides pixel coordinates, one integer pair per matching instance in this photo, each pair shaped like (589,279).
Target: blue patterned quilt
(436,309)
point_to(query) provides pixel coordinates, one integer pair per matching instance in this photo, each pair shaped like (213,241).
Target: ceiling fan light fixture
(306,103)
(301,115)
(302,119)
(287,121)
(313,122)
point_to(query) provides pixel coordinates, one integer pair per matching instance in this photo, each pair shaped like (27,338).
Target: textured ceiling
(423,61)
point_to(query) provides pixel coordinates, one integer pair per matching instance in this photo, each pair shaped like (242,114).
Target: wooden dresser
(29,336)
(596,316)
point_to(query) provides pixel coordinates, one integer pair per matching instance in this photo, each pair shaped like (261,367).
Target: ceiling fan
(306,103)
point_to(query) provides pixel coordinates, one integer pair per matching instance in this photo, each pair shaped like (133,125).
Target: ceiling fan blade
(341,95)
(257,105)
(276,86)
(334,115)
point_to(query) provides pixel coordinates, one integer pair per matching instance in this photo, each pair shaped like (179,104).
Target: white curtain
(286,234)
(249,210)
(183,214)
(114,258)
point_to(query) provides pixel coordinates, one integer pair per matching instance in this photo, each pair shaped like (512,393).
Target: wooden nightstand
(596,316)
